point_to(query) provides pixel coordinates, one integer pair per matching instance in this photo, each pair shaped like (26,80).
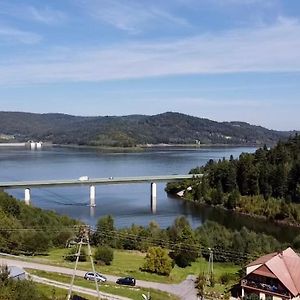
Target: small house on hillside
(273,276)
(16,273)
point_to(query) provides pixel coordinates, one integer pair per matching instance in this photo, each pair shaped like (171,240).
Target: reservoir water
(127,203)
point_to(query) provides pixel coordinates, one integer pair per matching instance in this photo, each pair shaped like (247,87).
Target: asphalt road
(78,289)
(184,290)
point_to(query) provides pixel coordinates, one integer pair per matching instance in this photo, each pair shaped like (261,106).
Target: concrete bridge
(92,182)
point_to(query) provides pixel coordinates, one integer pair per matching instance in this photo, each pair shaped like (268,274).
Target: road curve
(184,290)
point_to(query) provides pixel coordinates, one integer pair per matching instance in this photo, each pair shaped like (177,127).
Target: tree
(4,274)
(104,234)
(185,249)
(104,254)
(35,242)
(158,261)
(17,289)
(233,199)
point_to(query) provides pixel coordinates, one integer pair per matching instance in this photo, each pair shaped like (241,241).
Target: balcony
(263,287)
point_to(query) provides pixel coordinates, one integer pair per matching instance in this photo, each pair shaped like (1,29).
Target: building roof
(285,266)
(262,259)
(15,271)
(264,271)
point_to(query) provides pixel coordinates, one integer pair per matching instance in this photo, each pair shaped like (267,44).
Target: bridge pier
(27,197)
(153,197)
(92,196)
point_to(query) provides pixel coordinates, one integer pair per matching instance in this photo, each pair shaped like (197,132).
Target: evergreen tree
(185,249)
(104,234)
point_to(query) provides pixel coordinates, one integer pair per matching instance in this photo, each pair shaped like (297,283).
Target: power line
(114,234)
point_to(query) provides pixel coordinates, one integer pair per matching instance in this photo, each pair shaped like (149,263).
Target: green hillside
(128,131)
(29,230)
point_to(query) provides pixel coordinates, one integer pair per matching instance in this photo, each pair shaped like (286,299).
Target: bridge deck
(95,181)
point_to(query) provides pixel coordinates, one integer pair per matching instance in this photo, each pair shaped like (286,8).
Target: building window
(269,297)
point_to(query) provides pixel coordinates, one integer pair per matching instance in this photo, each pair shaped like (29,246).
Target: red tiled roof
(285,266)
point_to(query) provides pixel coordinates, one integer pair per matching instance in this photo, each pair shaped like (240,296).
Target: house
(273,276)
(16,273)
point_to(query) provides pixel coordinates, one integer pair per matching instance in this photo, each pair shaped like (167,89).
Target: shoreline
(240,213)
(138,147)
(154,146)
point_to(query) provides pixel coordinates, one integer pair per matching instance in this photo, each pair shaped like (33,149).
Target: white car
(83,178)
(91,276)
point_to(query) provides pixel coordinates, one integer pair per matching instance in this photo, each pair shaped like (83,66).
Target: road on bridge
(95,181)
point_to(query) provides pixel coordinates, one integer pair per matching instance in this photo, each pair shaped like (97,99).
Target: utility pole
(210,265)
(84,240)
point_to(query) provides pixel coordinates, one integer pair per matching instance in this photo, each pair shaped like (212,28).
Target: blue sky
(218,59)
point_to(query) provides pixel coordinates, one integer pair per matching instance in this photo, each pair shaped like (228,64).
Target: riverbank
(239,212)
(155,146)
(100,148)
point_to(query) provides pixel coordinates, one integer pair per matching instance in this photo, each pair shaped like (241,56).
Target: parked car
(91,276)
(126,281)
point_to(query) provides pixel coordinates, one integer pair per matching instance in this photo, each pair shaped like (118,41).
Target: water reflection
(92,212)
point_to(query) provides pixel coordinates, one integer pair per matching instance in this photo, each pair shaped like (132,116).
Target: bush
(158,261)
(35,242)
(104,254)
(71,256)
(225,278)
(296,242)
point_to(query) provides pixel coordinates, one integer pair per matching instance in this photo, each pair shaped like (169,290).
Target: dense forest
(29,230)
(132,130)
(265,183)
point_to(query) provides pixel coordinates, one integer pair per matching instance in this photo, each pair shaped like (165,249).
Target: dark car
(126,281)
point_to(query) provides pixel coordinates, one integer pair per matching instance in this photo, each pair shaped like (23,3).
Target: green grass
(200,266)
(129,263)
(124,263)
(57,293)
(130,292)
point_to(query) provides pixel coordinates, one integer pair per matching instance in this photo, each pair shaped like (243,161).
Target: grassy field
(130,292)
(129,263)
(58,294)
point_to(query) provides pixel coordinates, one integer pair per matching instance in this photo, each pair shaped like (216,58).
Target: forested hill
(168,128)
(266,183)
(27,229)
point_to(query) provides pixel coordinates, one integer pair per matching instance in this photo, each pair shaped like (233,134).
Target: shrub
(225,278)
(72,255)
(104,254)
(158,261)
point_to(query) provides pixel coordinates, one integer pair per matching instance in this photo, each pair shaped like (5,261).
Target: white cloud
(41,14)
(12,35)
(265,49)
(130,16)
(46,15)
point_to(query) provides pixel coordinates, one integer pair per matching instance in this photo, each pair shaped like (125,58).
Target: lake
(129,203)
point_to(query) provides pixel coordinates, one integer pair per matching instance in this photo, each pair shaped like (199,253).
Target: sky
(219,59)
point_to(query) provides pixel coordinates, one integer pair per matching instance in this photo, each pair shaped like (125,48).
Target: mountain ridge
(132,130)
